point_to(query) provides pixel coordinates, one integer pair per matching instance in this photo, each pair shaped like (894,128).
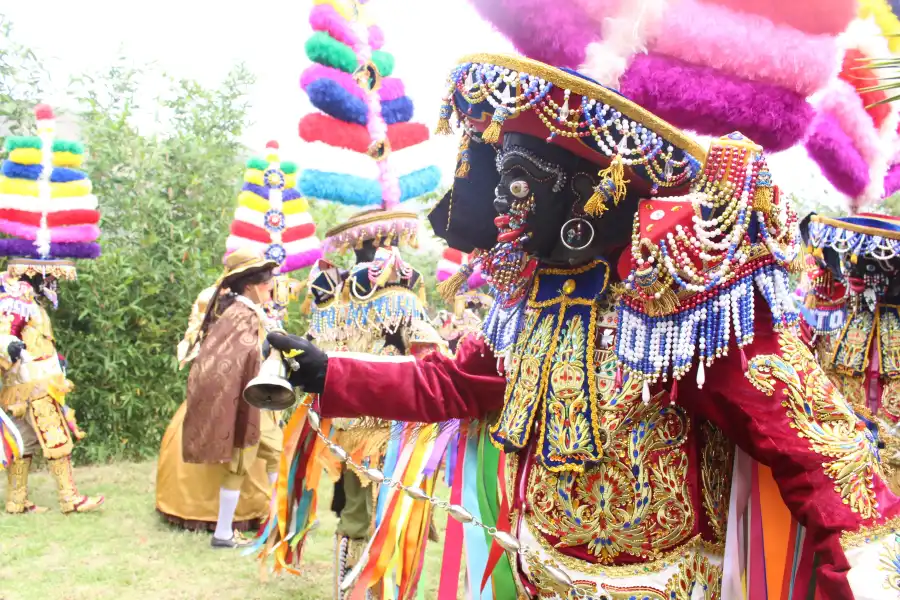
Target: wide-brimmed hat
(382,227)
(495,95)
(244,261)
(869,235)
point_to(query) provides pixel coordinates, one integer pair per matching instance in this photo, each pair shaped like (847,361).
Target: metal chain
(560,580)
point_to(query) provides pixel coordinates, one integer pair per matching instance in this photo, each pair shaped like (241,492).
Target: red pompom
(43,112)
(272,144)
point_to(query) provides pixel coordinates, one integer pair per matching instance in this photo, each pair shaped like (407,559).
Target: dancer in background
(47,208)
(273,219)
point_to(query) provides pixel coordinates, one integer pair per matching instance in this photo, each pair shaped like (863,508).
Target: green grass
(125,552)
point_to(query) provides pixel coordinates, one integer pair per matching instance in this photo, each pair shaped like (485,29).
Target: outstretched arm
(434,388)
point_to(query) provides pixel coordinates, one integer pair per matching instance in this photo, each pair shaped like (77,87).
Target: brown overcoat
(218,419)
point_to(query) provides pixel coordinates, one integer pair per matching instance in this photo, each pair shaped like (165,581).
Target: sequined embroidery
(889,341)
(550,383)
(851,353)
(635,501)
(715,469)
(822,416)
(524,381)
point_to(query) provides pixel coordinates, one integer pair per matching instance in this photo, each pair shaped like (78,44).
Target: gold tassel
(462,159)
(818,253)
(762,200)
(798,264)
(614,175)
(810,301)
(451,286)
(443,126)
(854,258)
(491,135)
(664,305)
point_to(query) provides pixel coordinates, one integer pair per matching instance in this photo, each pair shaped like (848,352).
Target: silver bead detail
(559,579)
(460,513)
(314,421)
(416,493)
(374,475)
(507,541)
(339,453)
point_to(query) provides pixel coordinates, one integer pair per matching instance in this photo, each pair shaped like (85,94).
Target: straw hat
(244,261)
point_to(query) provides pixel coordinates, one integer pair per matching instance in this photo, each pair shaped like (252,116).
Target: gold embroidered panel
(823,417)
(551,383)
(636,501)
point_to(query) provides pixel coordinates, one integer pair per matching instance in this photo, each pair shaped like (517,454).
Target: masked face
(881,277)
(540,200)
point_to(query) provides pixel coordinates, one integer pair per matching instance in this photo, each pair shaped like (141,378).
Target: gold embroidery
(715,470)
(524,387)
(693,570)
(568,430)
(890,562)
(635,501)
(822,416)
(851,351)
(698,571)
(51,428)
(890,400)
(889,340)
(866,534)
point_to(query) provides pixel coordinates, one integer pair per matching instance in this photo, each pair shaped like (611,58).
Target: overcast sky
(203,39)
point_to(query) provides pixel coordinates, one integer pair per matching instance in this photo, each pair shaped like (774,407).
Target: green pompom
(323,49)
(384,61)
(288,168)
(257,163)
(68,146)
(15,142)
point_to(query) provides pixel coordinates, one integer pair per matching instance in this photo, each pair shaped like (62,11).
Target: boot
(17,488)
(69,499)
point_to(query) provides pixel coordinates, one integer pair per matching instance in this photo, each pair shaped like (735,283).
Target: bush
(167,202)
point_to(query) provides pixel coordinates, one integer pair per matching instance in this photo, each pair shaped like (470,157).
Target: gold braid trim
(866,534)
(694,545)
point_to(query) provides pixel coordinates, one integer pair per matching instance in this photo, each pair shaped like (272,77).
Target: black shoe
(237,541)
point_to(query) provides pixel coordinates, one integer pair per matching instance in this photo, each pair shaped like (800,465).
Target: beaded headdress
(866,234)
(272,218)
(492,95)
(47,209)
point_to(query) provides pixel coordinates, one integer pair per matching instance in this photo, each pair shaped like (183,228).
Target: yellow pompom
(250,200)
(26,156)
(290,181)
(254,176)
(67,159)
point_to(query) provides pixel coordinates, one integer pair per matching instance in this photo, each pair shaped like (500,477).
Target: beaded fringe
(659,347)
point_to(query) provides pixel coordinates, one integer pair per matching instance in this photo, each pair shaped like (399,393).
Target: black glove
(311,362)
(14,350)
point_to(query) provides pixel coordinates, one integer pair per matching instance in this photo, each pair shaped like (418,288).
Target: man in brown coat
(219,426)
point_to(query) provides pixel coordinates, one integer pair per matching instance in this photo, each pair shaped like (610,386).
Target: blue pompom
(17,171)
(333,100)
(359,191)
(63,175)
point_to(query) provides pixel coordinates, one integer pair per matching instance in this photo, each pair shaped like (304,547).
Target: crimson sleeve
(428,390)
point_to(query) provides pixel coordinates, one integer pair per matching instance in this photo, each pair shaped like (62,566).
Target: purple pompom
(703,100)
(840,161)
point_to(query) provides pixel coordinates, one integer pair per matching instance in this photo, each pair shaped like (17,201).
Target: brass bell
(270,390)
